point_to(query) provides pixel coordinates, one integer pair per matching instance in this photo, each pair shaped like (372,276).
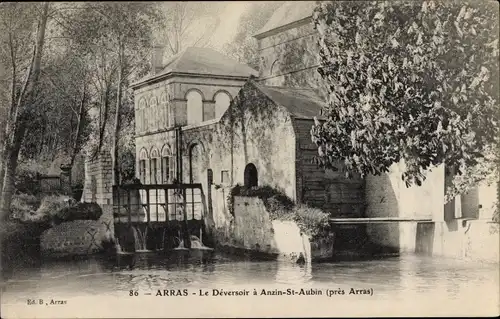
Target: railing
(158,202)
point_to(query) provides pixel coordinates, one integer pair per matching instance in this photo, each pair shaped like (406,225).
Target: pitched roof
(204,61)
(289,12)
(301,103)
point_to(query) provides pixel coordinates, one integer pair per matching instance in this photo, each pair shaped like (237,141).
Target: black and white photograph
(229,159)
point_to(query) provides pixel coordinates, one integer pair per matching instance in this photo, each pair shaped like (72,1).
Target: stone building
(186,129)
(205,118)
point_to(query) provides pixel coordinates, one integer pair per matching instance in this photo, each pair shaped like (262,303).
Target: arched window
(143,156)
(153,166)
(251,177)
(167,165)
(194,107)
(141,115)
(275,67)
(153,101)
(222,101)
(163,98)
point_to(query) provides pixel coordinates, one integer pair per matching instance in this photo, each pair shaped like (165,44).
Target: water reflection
(392,278)
(293,274)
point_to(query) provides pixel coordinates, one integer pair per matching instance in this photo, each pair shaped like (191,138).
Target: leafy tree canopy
(411,82)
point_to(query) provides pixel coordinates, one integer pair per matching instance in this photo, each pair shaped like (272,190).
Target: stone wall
(290,58)
(252,230)
(98,186)
(79,237)
(457,236)
(82,237)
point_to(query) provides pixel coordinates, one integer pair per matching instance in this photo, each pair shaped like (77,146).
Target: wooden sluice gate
(160,217)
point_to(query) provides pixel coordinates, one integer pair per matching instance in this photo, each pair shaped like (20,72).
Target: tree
(120,35)
(411,82)
(244,46)
(61,121)
(182,22)
(34,19)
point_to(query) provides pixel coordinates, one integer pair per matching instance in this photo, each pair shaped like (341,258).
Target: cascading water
(290,241)
(181,242)
(196,243)
(140,239)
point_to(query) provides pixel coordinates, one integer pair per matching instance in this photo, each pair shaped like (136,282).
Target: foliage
(127,166)
(411,82)
(53,209)
(311,221)
(52,204)
(26,181)
(23,204)
(181,23)
(485,172)
(78,211)
(58,125)
(244,46)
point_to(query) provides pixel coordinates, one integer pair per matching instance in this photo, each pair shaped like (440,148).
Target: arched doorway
(251,177)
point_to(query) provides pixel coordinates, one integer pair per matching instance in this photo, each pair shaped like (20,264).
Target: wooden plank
(160,186)
(370,220)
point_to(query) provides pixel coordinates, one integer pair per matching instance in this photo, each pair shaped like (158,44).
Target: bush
(52,204)
(311,221)
(26,181)
(78,211)
(23,205)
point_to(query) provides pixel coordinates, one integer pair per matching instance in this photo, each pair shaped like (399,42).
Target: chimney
(157,59)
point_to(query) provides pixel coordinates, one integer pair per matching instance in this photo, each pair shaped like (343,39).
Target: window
(222,101)
(167,165)
(153,102)
(224,177)
(153,171)
(143,155)
(141,116)
(153,168)
(164,110)
(463,206)
(194,107)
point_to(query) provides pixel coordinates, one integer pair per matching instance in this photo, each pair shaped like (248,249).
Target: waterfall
(306,245)
(196,243)
(118,247)
(181,243)
(140,239)
(290,241)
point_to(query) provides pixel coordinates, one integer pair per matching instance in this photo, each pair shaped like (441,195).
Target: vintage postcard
(249,159)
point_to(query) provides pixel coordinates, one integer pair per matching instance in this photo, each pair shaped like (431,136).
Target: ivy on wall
(311,221)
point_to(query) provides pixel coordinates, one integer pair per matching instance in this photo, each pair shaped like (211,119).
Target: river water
(403,279)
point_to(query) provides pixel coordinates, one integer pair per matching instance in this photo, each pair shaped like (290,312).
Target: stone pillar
(178,111)
(99,180)
(208,110)
(98,188)
(65,179)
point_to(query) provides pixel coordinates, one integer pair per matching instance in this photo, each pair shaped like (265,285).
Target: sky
(230,16)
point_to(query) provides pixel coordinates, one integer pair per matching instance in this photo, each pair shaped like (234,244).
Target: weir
(160,217)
